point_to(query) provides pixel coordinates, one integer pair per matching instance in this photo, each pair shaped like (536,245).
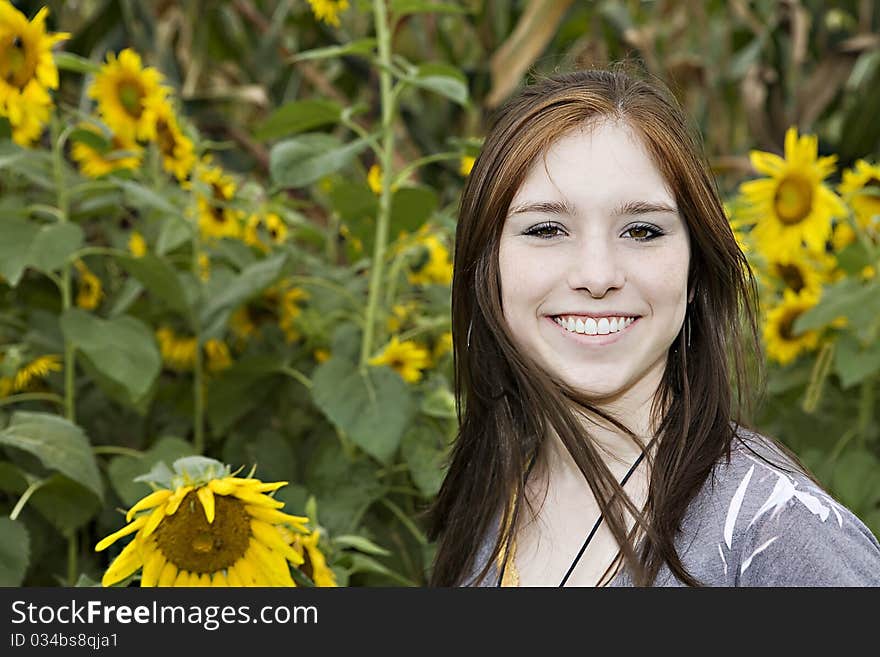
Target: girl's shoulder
(760,520)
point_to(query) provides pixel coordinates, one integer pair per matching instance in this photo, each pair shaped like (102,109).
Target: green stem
(405,520)
(866,410)
(25,497)
(33,396)
(120,451)
(96,250)
(363,134)
(426,327)
(59,137)
(198,369)
(384,42)
(412,166)
(296,374)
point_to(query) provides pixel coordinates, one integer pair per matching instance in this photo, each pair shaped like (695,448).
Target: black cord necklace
(589,536)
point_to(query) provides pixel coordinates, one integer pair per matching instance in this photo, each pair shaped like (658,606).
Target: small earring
(689,330)
(470,326)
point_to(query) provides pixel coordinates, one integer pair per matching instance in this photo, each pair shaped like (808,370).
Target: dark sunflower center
(218,215)
(397,363)
(792,276)
(793,200)
(165,138)
(17,67)
(190,543)
(130,96)
(785,326)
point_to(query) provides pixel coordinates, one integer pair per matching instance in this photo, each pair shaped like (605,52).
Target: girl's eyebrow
(628,208)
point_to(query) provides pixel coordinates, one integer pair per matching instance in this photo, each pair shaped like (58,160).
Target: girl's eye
(543,231)
(643,232)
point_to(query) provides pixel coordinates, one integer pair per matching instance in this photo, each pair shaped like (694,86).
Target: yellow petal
(246,572)
(225,486)
(265,488)
(154,562)
(168,574)
(128,561)
(273,564)
(206,497)
(175,499)
(182,578)
(258,499)
(204,580)
(125,531)
(151,500)
(266,534)
(153,520)
(232,577)
(275,517)
(219,579)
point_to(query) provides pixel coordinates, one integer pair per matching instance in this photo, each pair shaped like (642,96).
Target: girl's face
(594,264)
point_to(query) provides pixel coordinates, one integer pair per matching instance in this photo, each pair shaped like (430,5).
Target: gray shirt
(757,524)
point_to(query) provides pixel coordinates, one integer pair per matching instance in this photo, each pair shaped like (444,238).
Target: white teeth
(590,326)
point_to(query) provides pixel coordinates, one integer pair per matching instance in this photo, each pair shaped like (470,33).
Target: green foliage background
(299,111)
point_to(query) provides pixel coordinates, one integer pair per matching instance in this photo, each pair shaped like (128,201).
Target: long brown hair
(506,401)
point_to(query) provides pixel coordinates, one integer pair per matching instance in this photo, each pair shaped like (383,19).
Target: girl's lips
(594,340)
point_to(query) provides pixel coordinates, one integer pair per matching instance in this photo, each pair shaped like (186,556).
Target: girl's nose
(596,268)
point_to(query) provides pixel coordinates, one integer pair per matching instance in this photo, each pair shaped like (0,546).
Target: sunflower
(137,245)
(178,353)
(792,206)
(27,71)
(178,152)
(203,526)
(407,358)
(782,344)
(129,96)
(315,564)
(328,10)
(861,188)
(216,219)
(435,267)
(89,291)
(269,224)
(400,312)
(122,153)
(288,310)
(217,355)
(39,368)
(798,275)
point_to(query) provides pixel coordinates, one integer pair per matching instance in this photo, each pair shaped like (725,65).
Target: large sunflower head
(782,344)
(27,70)
(129,95)
(792,207)
(203,526)
(26,51)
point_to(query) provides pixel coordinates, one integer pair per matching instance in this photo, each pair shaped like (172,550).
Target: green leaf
(15,550)
(68,61)
(53,245)
(443,79)
(298,116)
(404,7)
(848,298)
(15,247)
(139,196)
(374,407)
(58,443)
(853,258)
(174,232)
(160,279)
(65,503)
(422,449)
(123,349)
(94,140)
(122,470)
(440,402)
(252,280)
(302,160)
(12,479)
(360,543)
(411,207)
(852,362)
(237,390)
(269,451)
(358,47)
(857,479)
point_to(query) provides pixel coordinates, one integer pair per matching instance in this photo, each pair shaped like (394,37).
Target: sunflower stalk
(821,369)
(384,217)
(198,367)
